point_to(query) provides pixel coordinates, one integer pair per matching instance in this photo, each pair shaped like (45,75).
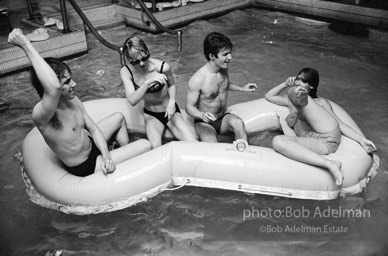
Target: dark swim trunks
(215,124)
(87,167)
(161,115)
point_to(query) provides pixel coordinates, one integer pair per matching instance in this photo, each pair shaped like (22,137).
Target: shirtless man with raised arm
(208,92)
(61,118)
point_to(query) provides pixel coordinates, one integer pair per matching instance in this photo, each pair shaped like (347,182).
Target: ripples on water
(269,47)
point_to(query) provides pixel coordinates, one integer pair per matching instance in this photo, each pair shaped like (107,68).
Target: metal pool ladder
(102,40)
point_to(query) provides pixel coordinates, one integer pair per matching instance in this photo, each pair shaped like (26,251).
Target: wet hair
(214,43)
(57,66)
(312,77)
(134,47)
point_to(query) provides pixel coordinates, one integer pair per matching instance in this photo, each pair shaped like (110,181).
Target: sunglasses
(298,78)
(136,62)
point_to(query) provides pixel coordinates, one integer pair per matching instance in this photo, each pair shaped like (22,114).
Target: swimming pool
(269,47)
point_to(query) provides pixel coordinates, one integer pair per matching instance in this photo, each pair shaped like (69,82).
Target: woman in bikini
(317,129)
(151,80)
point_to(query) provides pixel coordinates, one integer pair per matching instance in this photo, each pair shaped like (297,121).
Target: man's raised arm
(45,109)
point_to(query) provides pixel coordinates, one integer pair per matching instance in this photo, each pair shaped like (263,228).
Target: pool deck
(330,10)
(62,45)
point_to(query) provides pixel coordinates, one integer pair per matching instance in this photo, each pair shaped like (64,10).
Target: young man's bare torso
(64,123)
(207,94)
(213,92)
(65,133)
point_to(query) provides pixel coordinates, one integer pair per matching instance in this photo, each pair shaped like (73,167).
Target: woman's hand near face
(290,81)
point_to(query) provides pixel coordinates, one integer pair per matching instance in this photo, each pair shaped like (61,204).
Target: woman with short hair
(151,80)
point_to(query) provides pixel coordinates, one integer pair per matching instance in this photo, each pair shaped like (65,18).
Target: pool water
(268,47)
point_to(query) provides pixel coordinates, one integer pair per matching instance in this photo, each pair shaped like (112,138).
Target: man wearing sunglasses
(208,92)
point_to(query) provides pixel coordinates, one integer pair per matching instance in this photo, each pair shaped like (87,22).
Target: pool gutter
(182,15)
(329,10)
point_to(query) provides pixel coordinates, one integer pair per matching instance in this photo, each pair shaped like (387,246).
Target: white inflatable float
(238,167)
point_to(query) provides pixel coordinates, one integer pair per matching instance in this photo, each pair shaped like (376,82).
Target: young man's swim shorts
(161,115)
(215,124)
(87,167)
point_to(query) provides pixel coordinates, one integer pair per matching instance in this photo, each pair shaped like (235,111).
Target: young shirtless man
(208,92)
(61,118)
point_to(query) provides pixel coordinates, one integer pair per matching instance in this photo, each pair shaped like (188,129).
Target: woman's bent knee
(188,135)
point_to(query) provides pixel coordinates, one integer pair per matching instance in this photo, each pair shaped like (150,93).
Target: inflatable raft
(235,166)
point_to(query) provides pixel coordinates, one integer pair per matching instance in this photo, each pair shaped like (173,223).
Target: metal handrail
(34,15)
(102,40)
(178,33)
(89,25)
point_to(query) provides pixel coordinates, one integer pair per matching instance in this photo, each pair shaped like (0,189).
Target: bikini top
(155,88)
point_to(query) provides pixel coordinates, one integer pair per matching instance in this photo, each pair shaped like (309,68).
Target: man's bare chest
(215,87)
(67,120)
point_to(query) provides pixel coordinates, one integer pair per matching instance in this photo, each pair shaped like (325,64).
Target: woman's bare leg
(154,130)
(309,151)
(180,129)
